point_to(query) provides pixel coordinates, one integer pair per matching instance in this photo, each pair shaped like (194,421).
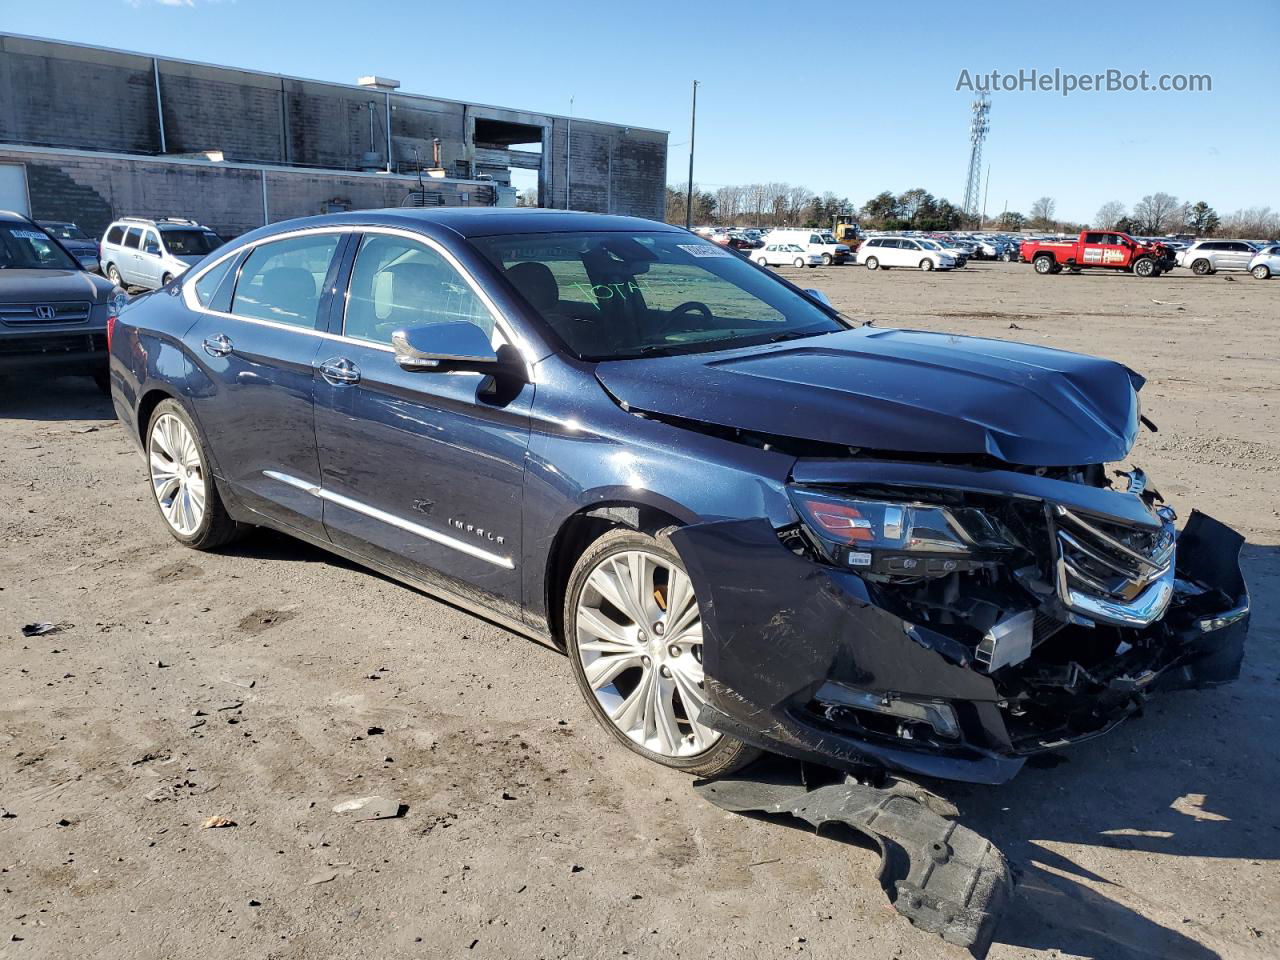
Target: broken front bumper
(804,659)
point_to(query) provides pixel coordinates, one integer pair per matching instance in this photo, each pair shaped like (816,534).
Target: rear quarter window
(115,235)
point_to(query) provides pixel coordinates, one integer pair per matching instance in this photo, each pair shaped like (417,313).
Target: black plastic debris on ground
(943,877)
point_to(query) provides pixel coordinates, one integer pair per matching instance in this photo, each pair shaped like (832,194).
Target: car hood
(899,391)
(30,286)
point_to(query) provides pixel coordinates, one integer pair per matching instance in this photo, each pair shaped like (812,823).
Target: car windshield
(928,244)
(65,231)
(618,295)
(24,247)
(191,243)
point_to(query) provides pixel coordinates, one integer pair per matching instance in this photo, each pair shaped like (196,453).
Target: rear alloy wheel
(634,634)
(184,488)
(1201,268)
(873,263)
(166,279)
(1261,272)
(926,264)
(1044,264)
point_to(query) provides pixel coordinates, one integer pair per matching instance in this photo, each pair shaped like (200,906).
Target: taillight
(111,328)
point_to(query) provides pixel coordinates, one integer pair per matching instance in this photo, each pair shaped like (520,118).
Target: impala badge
(480,532)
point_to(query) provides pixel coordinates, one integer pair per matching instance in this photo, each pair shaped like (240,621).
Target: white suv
(1210,256)
(149,253)
(886,252)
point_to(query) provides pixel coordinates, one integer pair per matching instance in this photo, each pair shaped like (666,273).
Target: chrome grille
(33,314)
(1113,572)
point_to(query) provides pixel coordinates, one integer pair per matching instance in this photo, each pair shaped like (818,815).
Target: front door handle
(218,346)
(339,371)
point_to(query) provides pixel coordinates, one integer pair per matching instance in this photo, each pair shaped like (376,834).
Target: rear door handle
(339,371)
(218,346)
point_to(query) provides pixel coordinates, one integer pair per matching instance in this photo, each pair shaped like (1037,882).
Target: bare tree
(729,203)
(1157,213)
(1042,213)
(1109,214)
(754,198)
(1256,223)
(798,202)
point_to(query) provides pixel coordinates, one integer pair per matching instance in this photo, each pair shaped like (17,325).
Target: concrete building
(89,134)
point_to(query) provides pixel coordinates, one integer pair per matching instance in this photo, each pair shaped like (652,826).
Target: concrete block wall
(94,189)
(66,95)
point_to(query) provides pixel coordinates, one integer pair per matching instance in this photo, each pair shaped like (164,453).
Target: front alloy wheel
(1261,272)
(634,632)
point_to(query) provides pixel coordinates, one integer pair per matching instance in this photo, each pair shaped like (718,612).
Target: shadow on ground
(61,398)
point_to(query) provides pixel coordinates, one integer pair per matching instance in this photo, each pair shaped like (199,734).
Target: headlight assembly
(901,539)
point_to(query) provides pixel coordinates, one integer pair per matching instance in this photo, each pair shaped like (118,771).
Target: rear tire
(183,486)
(1044,264)
(1145,267)
(607,644)
(873,263)
(1261,272)
(166,279)
(1202,268)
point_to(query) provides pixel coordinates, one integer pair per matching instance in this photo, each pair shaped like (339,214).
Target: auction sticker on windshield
(703,250)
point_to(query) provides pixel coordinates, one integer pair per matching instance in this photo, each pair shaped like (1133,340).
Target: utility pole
(693,128)
(986,192)
(568,134)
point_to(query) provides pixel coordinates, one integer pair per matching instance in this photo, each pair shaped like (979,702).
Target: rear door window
(281,281)
(133,238)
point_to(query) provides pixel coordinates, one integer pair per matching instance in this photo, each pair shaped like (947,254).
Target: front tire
(799,262)
(114,275)
(183,487)
(826,259)
(1145,267)
(633,631)
(873,263)
(1261,272)
(926,264)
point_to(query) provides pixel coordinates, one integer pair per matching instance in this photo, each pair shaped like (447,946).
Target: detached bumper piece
(943,877)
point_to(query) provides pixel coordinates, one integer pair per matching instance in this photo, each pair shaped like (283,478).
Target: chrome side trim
(418,530)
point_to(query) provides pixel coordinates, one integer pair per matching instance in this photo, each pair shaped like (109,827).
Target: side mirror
(819,296)
(445,346)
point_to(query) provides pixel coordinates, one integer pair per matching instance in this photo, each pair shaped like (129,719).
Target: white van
(883,253)
(820,242)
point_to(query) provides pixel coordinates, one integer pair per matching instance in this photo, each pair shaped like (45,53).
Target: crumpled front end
(1035,615)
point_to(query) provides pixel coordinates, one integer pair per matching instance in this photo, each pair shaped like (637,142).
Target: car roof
(481,222)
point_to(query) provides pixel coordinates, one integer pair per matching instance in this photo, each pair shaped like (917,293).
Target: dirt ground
(528,832)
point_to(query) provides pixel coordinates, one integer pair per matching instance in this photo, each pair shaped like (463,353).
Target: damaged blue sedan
(751,523)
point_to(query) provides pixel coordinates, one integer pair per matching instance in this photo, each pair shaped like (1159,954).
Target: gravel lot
(528,832)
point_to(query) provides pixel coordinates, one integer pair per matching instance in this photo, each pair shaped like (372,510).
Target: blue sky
(840,97)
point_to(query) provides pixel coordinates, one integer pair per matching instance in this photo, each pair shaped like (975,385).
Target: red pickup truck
(1108,249)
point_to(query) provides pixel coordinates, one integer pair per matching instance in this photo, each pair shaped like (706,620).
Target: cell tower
(978,128)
